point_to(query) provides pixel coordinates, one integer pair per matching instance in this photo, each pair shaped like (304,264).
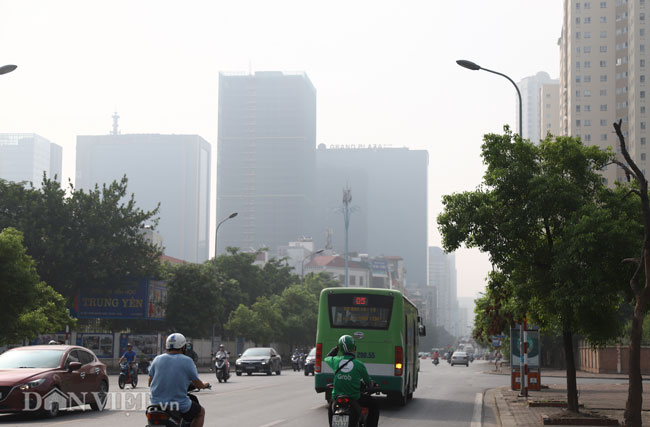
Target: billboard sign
(132,299)
(379,268)
(533,348)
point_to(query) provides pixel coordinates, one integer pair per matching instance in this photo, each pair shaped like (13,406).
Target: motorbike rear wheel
(121,381)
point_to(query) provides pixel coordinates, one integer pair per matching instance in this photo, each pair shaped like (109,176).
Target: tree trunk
(571,384)
(635,389)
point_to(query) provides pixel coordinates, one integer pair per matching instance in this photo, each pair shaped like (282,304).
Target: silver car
(460,358)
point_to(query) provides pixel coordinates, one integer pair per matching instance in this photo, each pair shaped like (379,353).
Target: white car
(460,358)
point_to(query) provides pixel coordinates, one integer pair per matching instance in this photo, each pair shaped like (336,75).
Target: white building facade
(25,157)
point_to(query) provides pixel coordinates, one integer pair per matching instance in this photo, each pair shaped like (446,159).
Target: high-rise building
(173,170)
(442,276)
(266,159)
(603,74)
(24,157)
(389,203)
(530,97)
(549,110)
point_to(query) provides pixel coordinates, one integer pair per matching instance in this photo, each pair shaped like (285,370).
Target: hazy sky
(385,73)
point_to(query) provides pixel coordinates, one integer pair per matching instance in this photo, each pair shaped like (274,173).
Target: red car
(47,378)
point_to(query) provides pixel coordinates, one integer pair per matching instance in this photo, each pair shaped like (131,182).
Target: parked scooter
(343,411)
(222,367)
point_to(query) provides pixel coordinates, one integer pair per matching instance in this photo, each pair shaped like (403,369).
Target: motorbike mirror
(422,330)
(74,366)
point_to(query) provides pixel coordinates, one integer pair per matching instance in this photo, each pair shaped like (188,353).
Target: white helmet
(175,341)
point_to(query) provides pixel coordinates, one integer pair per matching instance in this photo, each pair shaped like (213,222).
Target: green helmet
(346,344)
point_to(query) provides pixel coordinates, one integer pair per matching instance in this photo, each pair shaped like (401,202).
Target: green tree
(535,214)
(239,267)
(300,311)
(195,300)
(31,307)
(81,238)
(244,322)
(639,283)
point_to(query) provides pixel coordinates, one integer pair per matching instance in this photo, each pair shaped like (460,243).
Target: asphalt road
(446,396)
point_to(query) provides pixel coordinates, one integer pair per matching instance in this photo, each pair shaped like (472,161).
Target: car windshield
(312,353)
(460,354)
(30,359)
(257,352)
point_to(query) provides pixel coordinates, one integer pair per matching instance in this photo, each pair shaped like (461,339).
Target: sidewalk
(598,399)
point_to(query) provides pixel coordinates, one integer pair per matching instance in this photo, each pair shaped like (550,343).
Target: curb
(506,419)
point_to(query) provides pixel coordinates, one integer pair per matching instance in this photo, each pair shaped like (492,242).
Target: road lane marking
(478,410)
(274,423)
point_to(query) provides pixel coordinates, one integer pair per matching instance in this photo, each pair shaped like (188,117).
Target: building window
(603,49)
(603,64)
(603,77)
(577,94)
(578,123)
(603,107)
(548,105)
(587,79)
(642,125)
(641,48)
(587,64)
(642,156)
(643,109)
(642,32)
(587,122)
(578,35)
(577,20)
(603,19)
(603,122)
(603,5)
(642,62)
(642,94)
(577,64)
(603,34)
(603,137)
(587,20)
(578,6)
(577,79)
(587,108)
(587,93)
(587,5)
(587,49)
(641,17)
(642,78)
(587,34)
(643,140)
(588,137)
(603,92)
(578,108)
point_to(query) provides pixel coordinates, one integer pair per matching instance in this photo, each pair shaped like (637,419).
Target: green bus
(386,328)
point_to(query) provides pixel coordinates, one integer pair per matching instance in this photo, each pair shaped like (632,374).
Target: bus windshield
(363,311)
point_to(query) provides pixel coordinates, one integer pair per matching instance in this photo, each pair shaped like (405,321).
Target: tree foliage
(546,219)
(80,238)
(32,307)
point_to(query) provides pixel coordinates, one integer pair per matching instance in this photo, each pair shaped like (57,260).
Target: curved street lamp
(475,67)
(232,215)
(7,69)
(310,256)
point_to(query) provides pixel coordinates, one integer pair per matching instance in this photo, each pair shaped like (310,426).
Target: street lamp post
(232,215)
(475,67)
(7,69)
(523,362)
(310,256)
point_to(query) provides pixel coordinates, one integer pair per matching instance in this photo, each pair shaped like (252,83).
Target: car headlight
(238,362)
(264,363)
(32,384)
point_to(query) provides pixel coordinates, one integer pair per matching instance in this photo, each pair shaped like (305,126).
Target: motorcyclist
(131,358)
(221,352)
(348,374)
(191,353)
(169,377)
(436,357)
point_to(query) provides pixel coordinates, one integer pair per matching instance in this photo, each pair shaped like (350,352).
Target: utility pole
(347,198)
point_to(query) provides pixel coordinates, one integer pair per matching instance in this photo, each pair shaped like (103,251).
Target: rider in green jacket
(348,374)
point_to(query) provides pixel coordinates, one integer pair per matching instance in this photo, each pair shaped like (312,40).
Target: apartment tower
(24,157)
(530,95)
(603,75)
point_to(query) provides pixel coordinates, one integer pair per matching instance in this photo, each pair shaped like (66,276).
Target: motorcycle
(128,375)
(157,415)
(435,361)
(222,368)
(295,362)
(343,409)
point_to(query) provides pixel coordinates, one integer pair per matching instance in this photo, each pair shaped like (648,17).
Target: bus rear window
(362,311)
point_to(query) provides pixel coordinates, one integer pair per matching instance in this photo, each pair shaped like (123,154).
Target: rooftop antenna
(115,127)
